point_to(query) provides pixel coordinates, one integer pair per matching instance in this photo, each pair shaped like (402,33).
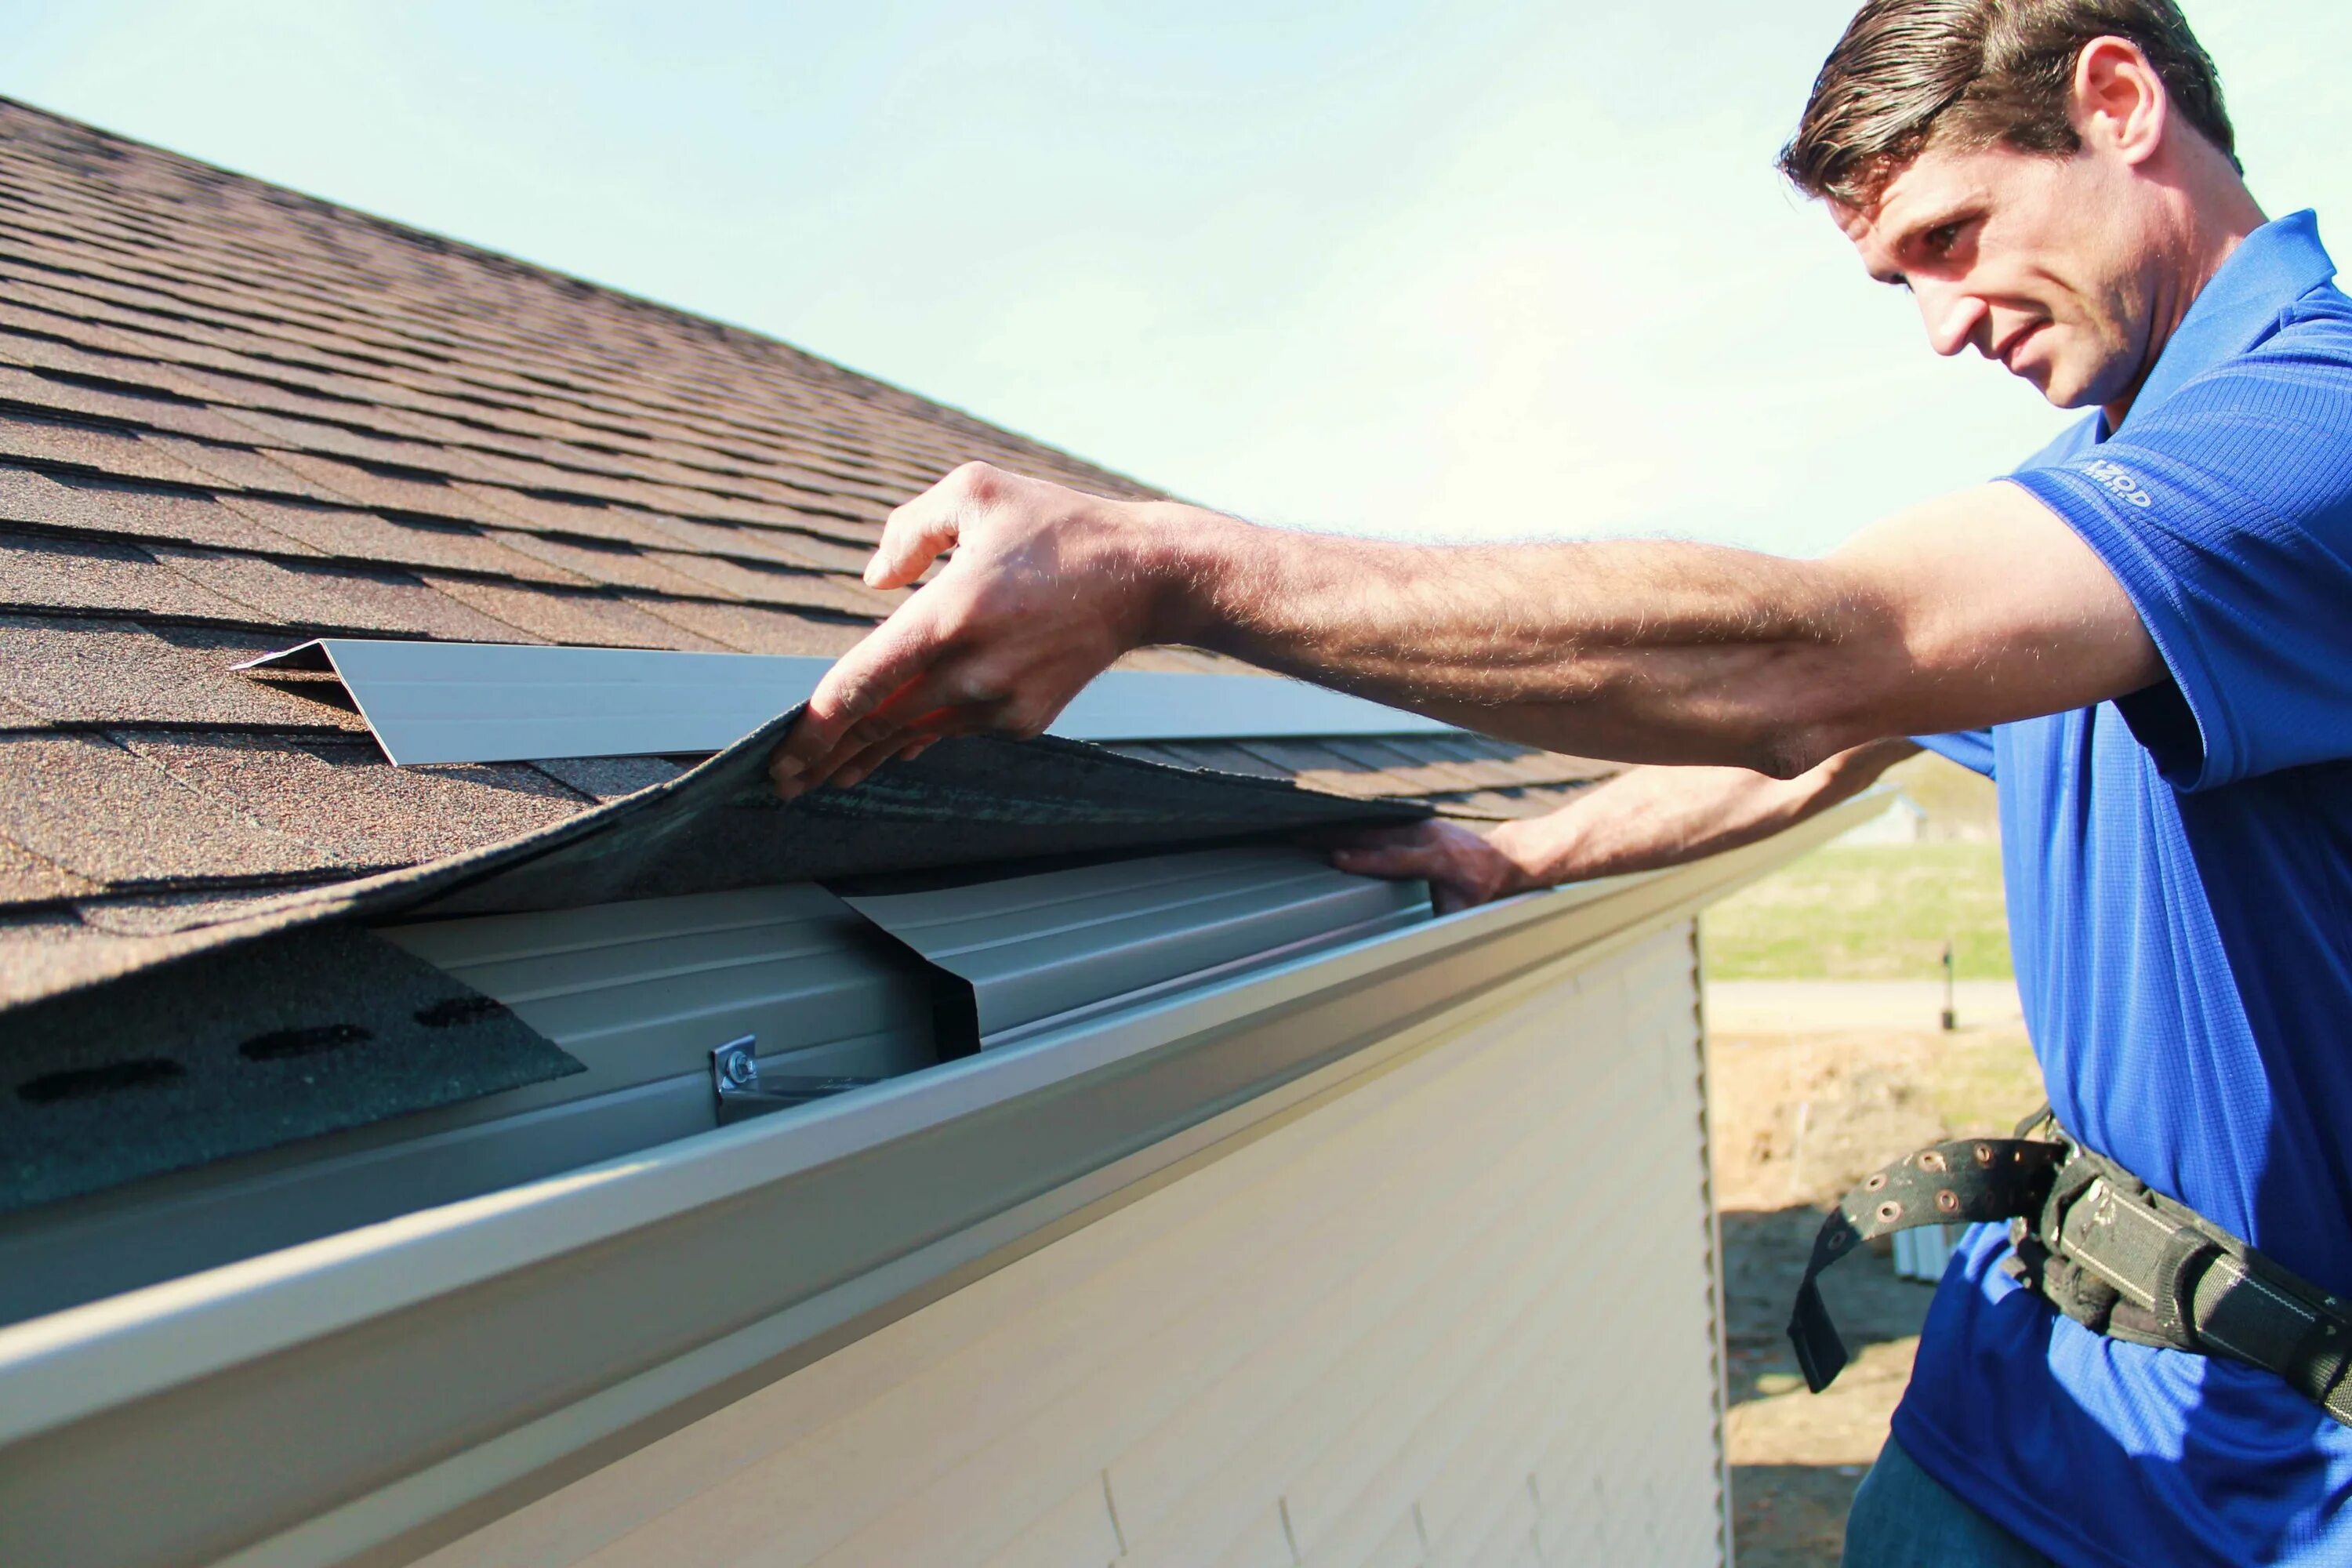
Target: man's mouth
(2007,352)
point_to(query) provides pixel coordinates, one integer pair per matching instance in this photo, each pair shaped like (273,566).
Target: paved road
(1808,1006)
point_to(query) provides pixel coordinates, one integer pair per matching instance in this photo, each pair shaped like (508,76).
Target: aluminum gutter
(489,702)
(538,1333)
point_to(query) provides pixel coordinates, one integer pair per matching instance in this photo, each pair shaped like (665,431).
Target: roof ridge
(116,144)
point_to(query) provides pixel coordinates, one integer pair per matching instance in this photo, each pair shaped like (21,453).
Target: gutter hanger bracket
(741,1094)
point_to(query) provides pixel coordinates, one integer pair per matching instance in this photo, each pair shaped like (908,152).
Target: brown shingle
(1413,768)
(329,596)
(102,671)
(119,453)
(547,514)
(108,506)
(610,778)
(48,394)
(27,879)
(279,431)
(1317,766)
(754,628)
(785,588)
(354,807)
(80,574)
(1219,756)
(774,544)
(158,914)
(236,468)
(54,789)
(611,566)
(588,620)
(81,358)
(354,535)
(373,488)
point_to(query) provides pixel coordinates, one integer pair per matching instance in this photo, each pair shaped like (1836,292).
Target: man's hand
(1046,588)
(1643,819)
(1462,868)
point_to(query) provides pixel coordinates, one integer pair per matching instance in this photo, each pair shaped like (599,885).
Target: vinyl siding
(1462,1313)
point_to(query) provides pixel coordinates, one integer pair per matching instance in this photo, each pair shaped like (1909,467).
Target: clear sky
(1450,269)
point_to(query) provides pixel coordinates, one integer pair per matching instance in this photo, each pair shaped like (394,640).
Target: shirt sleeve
(2226,515)
(1972,749)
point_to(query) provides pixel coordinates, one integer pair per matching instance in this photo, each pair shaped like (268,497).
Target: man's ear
(2120,106)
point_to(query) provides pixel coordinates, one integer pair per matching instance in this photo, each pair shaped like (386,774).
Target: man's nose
(1952,316)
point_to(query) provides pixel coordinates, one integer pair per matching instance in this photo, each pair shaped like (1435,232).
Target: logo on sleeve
(2123,481)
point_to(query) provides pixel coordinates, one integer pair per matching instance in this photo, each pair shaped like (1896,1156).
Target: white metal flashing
(491,702)
(1040,950)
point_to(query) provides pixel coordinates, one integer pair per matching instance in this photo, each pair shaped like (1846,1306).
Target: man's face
(2042,263)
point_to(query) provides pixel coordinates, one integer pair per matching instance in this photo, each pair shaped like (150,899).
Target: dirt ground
(1798,1118)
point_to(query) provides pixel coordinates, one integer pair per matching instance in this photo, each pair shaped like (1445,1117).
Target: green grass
(1876,912)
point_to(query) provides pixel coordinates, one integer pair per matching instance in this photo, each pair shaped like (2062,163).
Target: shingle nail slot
(89,1083)
(456,1010)
(280,1045)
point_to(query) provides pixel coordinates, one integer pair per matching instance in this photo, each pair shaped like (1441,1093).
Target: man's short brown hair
(1976,73)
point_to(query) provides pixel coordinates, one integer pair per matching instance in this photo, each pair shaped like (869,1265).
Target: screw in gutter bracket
(735,1077)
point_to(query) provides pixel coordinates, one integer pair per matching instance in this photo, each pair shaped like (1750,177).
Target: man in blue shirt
(2144,634)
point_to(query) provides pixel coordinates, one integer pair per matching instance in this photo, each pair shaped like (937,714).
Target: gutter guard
(1047,950)
(495,703)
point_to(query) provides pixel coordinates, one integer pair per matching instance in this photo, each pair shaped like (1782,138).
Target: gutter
(411,1380)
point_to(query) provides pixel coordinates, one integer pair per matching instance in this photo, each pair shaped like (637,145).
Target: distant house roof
(234,417)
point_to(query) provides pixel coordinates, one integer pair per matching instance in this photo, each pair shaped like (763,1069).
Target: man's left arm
(1975,609)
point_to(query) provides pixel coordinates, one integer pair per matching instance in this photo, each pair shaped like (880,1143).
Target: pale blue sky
(1450,269)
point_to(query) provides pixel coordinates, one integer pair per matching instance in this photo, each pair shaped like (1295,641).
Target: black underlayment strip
(231,1052)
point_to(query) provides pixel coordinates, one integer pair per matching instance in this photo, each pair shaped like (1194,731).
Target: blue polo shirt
(2179,877)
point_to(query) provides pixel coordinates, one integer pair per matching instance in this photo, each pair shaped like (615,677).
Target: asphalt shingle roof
(234,417)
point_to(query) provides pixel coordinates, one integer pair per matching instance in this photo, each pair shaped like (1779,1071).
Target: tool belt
(2095,1242)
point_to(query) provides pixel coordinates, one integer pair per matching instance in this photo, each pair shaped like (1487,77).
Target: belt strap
(2103,1248)
(1972,1179)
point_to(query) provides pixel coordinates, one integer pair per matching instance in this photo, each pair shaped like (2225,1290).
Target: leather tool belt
(2095,1242)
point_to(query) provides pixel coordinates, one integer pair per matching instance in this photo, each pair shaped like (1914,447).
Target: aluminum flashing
(515,1342)
(1050,948)
(486,702)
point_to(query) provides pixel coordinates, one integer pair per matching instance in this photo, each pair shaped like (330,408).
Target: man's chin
(2062,391)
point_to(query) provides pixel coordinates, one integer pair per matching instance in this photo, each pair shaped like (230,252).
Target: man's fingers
(1395,861)
(1399,835)
(918,531)
(858,765)
(865,677)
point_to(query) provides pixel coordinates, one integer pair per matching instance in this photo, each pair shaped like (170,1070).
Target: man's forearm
(1649,817)
(1973,610)
(1644,651)
(1638,821)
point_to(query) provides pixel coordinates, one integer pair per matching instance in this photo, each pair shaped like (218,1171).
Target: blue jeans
(1903,1518)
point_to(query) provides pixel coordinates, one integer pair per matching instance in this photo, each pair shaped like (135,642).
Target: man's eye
(1941,238)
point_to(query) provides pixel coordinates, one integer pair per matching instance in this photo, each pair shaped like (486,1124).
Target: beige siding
(1460,1314)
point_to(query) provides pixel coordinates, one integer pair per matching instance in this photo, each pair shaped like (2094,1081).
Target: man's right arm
(1643,819)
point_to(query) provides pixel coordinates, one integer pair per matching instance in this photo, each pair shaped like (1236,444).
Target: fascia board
(488,702)
(599,1249)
